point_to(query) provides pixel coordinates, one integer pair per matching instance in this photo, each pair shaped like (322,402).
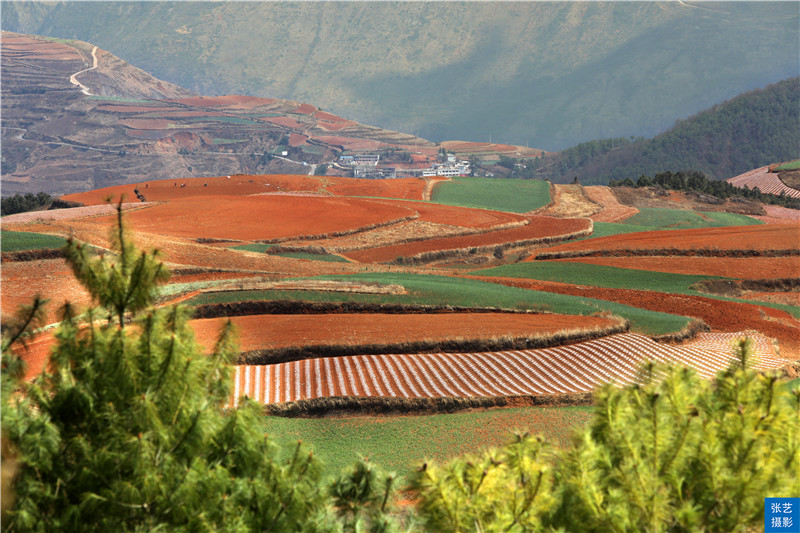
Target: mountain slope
(547,74)
(752,130)
(76,117)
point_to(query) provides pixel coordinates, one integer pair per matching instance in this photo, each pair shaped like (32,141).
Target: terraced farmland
(567,369)
(766,181)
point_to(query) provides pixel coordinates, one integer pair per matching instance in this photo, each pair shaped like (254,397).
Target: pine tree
(124,430)
(671,453)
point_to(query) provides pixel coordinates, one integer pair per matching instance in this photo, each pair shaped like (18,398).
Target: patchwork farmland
(364,291)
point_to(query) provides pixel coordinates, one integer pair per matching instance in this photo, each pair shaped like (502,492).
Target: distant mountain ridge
(754,129)
(545,74)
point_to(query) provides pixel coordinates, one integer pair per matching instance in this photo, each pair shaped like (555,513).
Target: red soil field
(539,228)
(277,331)
(566,369)
(232,100)
(330,117)
(741,267)
(297,139)
(332,126)
(762,237)
(143,109)
(245,185)
(305,109)
(21,46)
(236,185)
(400,188)
(284,121)
(51,278)
(260,217)
(350,143)
(146,123)
(720,315)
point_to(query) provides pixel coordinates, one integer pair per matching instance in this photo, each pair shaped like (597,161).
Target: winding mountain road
(84,89)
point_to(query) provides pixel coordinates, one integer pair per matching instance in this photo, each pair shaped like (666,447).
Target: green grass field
(443,290)
(577,273)
(791,165)
(400,443)
(261,248)
(598,276)
(15,241)
(515,196)
(254,247)
(331,258)
(657,218)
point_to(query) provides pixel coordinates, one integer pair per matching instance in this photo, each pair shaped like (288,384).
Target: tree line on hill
(22,203)
(698,182)
(124,431)
(754,129)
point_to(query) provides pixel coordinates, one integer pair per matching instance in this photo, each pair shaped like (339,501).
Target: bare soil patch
(661,198)
(569,201)
(613,210)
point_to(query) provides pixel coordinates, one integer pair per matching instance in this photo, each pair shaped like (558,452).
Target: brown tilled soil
(259,332)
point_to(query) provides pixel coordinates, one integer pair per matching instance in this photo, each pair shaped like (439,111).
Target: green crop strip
(515,196)
(443,290)
(15,241)
(402,443)
(657,218)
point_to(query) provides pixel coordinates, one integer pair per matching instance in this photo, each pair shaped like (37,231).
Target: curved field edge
(462,292)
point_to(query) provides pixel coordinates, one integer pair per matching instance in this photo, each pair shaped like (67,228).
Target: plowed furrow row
(566,369)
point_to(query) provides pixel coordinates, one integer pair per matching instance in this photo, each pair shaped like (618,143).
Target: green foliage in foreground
(498,194)
(674,453)
(124,431)
(446,290)
(15,241)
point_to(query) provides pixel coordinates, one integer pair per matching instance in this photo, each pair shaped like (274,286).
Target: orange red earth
(277,331)
(718,314)
(761,237)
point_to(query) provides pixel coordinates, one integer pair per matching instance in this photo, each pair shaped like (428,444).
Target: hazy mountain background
(752,130)
(549,75)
